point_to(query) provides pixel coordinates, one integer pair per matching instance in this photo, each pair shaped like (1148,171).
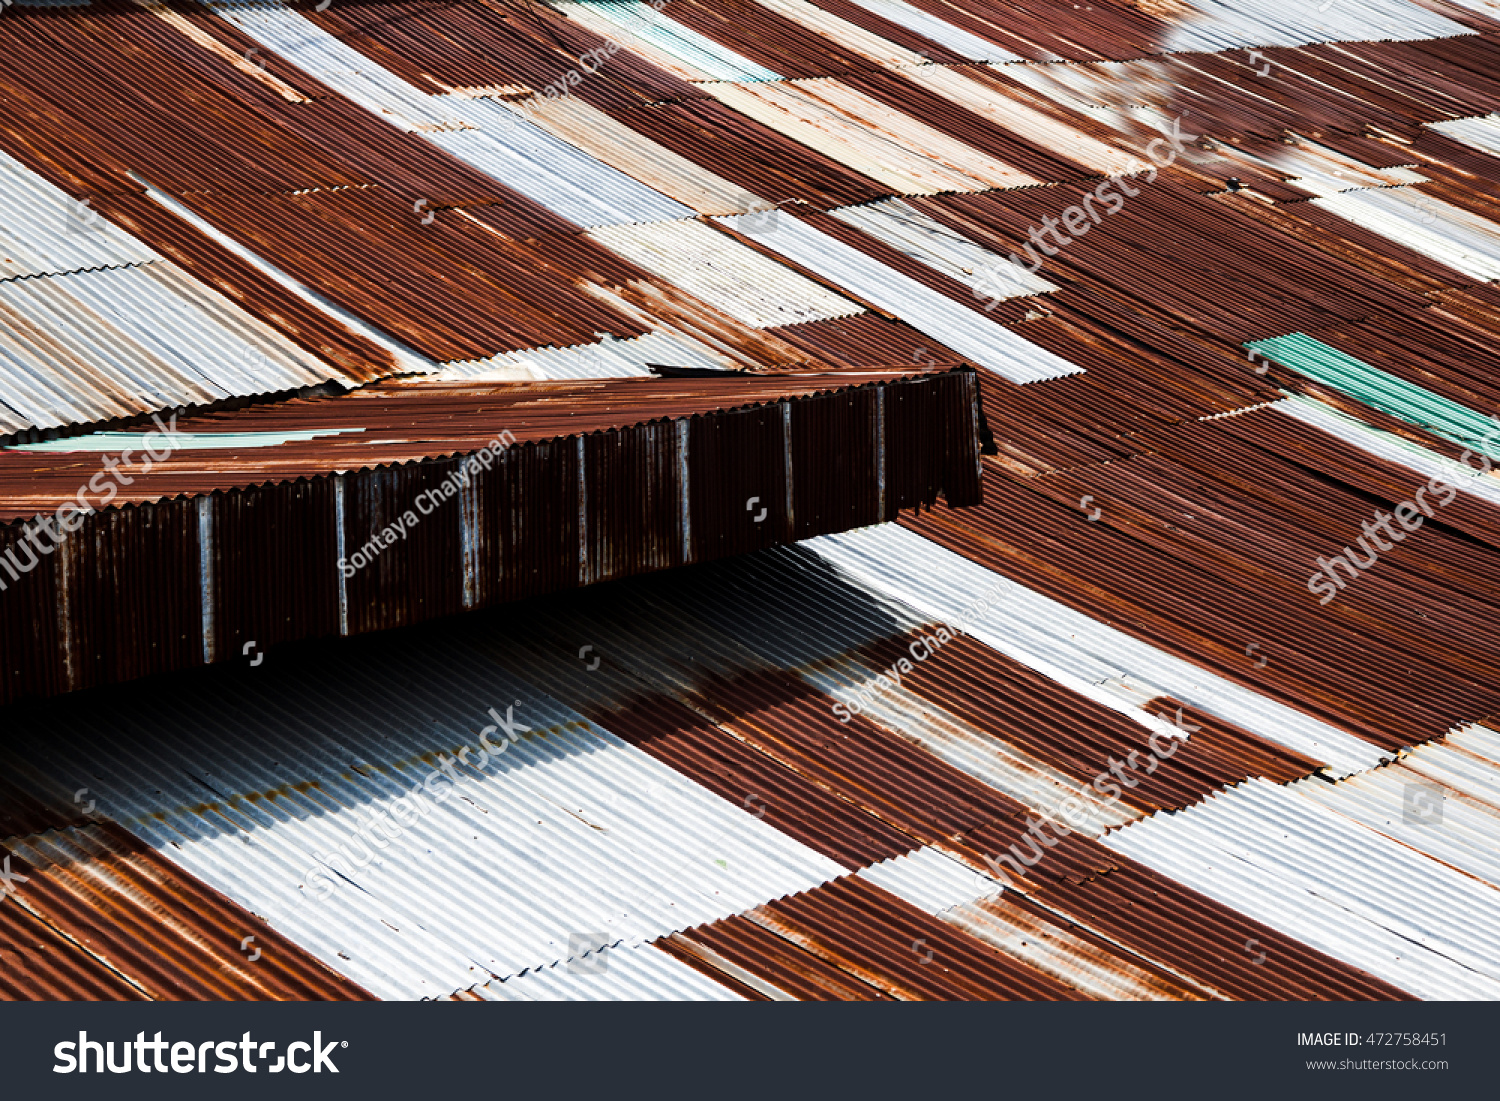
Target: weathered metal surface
(1309,872)
(136,927)
(601,480)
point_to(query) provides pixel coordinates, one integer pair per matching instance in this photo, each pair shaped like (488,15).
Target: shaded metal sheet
(1094,659)
(270,549)
(739,951)
(898,150)
(244,784)
(617,974)
(941,248)
(1336,885)
(95,345)
(749,286)
(43,231)
(955,326)
(137,920)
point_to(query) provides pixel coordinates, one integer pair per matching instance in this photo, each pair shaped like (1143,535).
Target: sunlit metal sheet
(748,286)
(637,155)
(659,38)
(249,786)
(924,238)
(512,148)
(1336,885)
(607,359)
(1210,25)
(1443,799)
(286,32)
(1093,659)
(964,330)
(615,974)
(896,149)
(1461,239)
(938,30)
(96,345)
(929,880)
(44,231)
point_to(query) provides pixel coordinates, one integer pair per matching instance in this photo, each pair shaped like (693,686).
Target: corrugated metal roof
(1092,658)
(636,155)
(941,248)
(117,342)
(1462,240)
(658,37)
(933,27)
(902,152)
(615,974)
(127,917)
(1442,799)
(606,359)
(964,330)
(43,231)
(1333,884)
(246,794)
(745,284)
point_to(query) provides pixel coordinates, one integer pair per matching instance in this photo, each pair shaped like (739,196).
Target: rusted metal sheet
(1188,575)
(124,923)
(658,474)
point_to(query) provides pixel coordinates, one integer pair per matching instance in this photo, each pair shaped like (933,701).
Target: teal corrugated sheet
(1383,390)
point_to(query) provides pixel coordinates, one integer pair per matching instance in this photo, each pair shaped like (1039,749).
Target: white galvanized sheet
(619,973)
(45,231)
(569,832)
(1087,656)
(924,238)
(966,331)
(748,286)
(1462,240)
(1333,884)
(116,342)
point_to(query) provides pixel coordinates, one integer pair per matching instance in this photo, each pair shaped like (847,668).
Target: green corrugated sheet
(1383,390)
